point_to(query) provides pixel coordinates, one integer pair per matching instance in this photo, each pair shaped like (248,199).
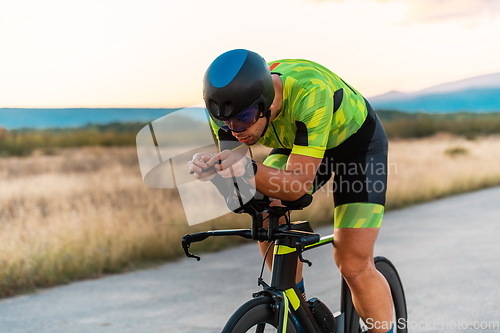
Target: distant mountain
(389,96)
(51,118)
(483,81)
(476,94)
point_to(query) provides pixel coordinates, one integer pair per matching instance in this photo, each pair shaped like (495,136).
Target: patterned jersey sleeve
(313,111)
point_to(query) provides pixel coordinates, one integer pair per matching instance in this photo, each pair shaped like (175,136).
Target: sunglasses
(244,120)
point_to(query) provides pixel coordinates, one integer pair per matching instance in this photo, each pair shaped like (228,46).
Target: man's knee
(351,267)
(354,251)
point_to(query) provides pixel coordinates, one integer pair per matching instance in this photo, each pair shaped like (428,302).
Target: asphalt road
(447,253)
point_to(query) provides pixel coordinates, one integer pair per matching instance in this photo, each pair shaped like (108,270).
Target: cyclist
(317,125)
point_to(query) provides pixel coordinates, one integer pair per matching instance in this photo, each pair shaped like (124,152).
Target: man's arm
(289,184)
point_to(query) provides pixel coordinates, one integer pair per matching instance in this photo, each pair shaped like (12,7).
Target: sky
(154,53)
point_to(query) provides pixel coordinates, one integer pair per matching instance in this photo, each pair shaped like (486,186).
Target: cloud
(441,10)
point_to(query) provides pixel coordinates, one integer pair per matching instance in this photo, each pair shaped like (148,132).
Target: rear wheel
(354,324)
(256,315)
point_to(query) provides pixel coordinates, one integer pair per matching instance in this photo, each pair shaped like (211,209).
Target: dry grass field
(84,212)
(430,168)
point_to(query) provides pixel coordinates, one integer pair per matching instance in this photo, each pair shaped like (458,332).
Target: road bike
(279,306)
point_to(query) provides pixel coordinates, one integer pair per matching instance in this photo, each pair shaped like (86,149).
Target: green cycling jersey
(319,110)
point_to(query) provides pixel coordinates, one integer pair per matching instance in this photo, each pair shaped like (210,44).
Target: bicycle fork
(284,300)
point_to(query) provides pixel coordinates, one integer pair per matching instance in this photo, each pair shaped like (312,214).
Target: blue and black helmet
(235,81)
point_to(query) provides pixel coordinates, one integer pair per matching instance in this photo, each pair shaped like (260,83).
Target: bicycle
(280,306)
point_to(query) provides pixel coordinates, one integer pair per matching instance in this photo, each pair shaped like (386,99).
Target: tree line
(22,142)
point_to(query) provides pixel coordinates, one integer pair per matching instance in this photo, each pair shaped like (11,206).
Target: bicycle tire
(390,273)
(256,315)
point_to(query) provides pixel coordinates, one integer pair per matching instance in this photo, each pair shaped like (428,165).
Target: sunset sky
(152,53)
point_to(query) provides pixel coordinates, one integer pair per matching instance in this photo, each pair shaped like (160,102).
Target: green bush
(456,151)
(23,142)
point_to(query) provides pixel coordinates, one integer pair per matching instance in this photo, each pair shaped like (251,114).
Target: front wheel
(354,324)
(256,315)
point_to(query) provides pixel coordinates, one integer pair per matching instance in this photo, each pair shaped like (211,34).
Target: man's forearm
(282,184)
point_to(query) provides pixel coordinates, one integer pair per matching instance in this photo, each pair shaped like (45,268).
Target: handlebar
(308,240)
(302,238)
(238,191)
(201,236)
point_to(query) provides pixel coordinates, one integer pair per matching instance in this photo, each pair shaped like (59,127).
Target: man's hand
(202,167)
(229,163)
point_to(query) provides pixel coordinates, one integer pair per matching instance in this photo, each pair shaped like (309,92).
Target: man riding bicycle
(317,125)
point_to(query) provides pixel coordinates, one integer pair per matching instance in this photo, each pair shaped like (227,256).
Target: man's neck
(278,97)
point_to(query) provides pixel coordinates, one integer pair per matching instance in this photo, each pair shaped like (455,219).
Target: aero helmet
(238,81)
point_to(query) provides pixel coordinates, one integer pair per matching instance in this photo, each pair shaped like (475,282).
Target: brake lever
(186,243)
(301,258)
(305,260)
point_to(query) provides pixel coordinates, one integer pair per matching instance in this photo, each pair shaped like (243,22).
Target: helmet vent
(214,108)
(228,108)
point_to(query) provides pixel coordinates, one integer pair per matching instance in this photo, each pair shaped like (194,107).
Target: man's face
(252,134)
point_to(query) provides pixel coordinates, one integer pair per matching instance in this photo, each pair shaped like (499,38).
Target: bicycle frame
(283,281)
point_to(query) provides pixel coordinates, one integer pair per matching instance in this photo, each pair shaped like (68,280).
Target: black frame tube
(283,278)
